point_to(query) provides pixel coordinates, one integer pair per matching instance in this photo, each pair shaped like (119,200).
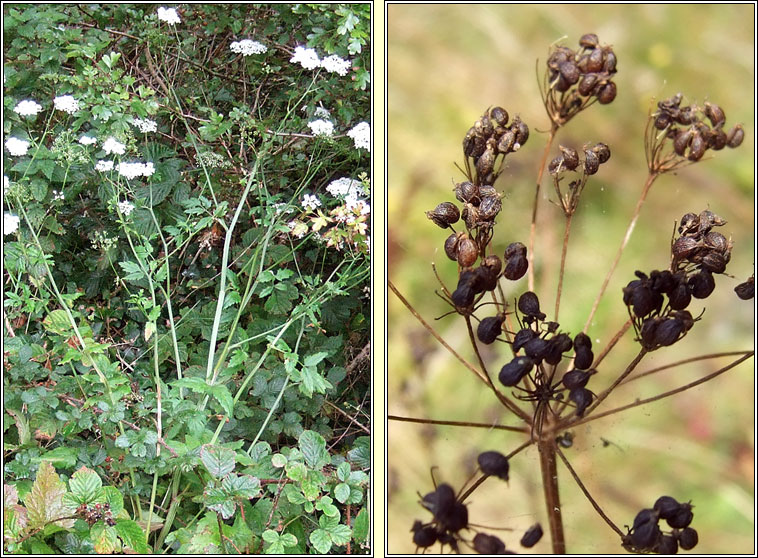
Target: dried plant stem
(564,250)
(612,343)
(520,429)
(648,184)
(665,394)
(533,227)
(684,361)
(583,488)
(605,393)
(547,449)
(436,335)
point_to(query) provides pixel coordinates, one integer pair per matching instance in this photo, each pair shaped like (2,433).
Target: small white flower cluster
(321,127)
(352,192)
(297,228)
(10,223)
(104,166)
(321,112)
(336,65)
(133,170)
(57,195)
(310,201)
(126,207)
(102,240)
(86,140)
(66,103)
(168,15)
(308,59)
(361,135)
(113,146)
(17,147)
(145,125)
(28,108)
(247,47)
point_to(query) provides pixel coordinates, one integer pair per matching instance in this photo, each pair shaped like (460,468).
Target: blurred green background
(447,64)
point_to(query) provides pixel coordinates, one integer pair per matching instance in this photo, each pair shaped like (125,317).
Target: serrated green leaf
(133,536)
(86,486)
(105,538)
(314,359)
(340,534)
(321,541)
(114,498)
(45,500)
(57,322)
(242,486)
(222,395)
(360,455)
(343,471)
(361,526)
(218,461)
(61,457)
(342,492)
(313,446)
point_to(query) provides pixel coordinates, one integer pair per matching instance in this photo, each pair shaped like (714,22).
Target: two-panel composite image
(543,343)
(571,240)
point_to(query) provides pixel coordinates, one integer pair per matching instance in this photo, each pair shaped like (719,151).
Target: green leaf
(62,457)
(342,492)
(321,541)
(314,359)
(218,461)
(114,498)
(242,487)
(45,501)
(360,455)
(313,446)
(105,538)
(57,322)
(361,526)
(222,395)
(133,536)
(343,471)
(86,486)
(340,534)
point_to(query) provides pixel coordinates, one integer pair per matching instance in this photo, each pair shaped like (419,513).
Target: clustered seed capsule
(569,159)
(657,303)
(491,136)
(647,536)
(579,77)
(693,129)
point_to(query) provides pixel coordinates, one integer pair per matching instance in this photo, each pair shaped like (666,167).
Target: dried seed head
(499,115)
(444,215)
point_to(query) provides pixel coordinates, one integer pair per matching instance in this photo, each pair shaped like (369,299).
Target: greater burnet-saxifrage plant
(553,380)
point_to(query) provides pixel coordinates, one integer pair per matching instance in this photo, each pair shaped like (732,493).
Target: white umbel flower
(104,166)
(247,47)
(66,103)
(145,125)
(133,170)
(336,65)
(17,147)
(126,207)
(10,223)
(306,57)
(28,108)
(321,127)
(310,201)
(361,135)
(113,146)
(87,140)
(168,15)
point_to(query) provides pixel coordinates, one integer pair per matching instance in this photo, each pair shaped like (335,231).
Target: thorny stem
(436,335)
(665,394)
(648,184)
(583,488)
(533,227)
(566,233)
(458,423)
(547,448)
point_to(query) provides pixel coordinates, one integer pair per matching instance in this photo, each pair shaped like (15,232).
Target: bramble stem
(547,449)
(564,250)
(533,228)
(648,184)
(583,488)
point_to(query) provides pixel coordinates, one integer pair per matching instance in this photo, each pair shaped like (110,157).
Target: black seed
(666,544)
(440,501)
(701,284)
(488,544)
(424,537)
(576,379)
(536,349)
(688,538)
(746,290)
(515,249)
(680,297)
(466,192)
(515,268)
(489,329)
(591,162)
(682,518)
(582,340)
(582,398)
(463,296)
(444,215)
(532,536)
(522,337)
(512,373)
(494,463)
(451,246)
(499,115)
(603,152)
(668,332)
(529,305)
(666,506)
(456,518)
(583,359)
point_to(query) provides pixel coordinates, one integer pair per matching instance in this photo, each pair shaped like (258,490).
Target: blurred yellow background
(446,65)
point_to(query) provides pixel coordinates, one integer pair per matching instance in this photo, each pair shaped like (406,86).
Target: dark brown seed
(570,157)
(609,64)
(489,329)
(570,72)
(505,145)
(697,148)
(490,207)
(493,463)
(466,192)
(493,263)
(607,93)
(451,245)
(467,252)
(556,165)
(521,129)
(529,304)
(488,544)
(499,115)
(689,223)
(746,290)
(587,84)
(683,247)
(662,120)
(715,114)
(516,268)
(444,215)
(470,216)
(680,297)
(560,83)
(591,162)
(595,60)
(486,162)
(717,140)
(682,141)
(532,536)
(515,249)
(668,332)
(714,262)
(588,40)
(688,538)
(735,136)
(602,151)
(701,284)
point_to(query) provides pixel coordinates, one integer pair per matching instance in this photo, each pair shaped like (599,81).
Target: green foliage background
(446,65)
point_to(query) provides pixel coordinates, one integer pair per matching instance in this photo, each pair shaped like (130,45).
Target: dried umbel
(575,79)
(570,164)
(646,535)
(690,130)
